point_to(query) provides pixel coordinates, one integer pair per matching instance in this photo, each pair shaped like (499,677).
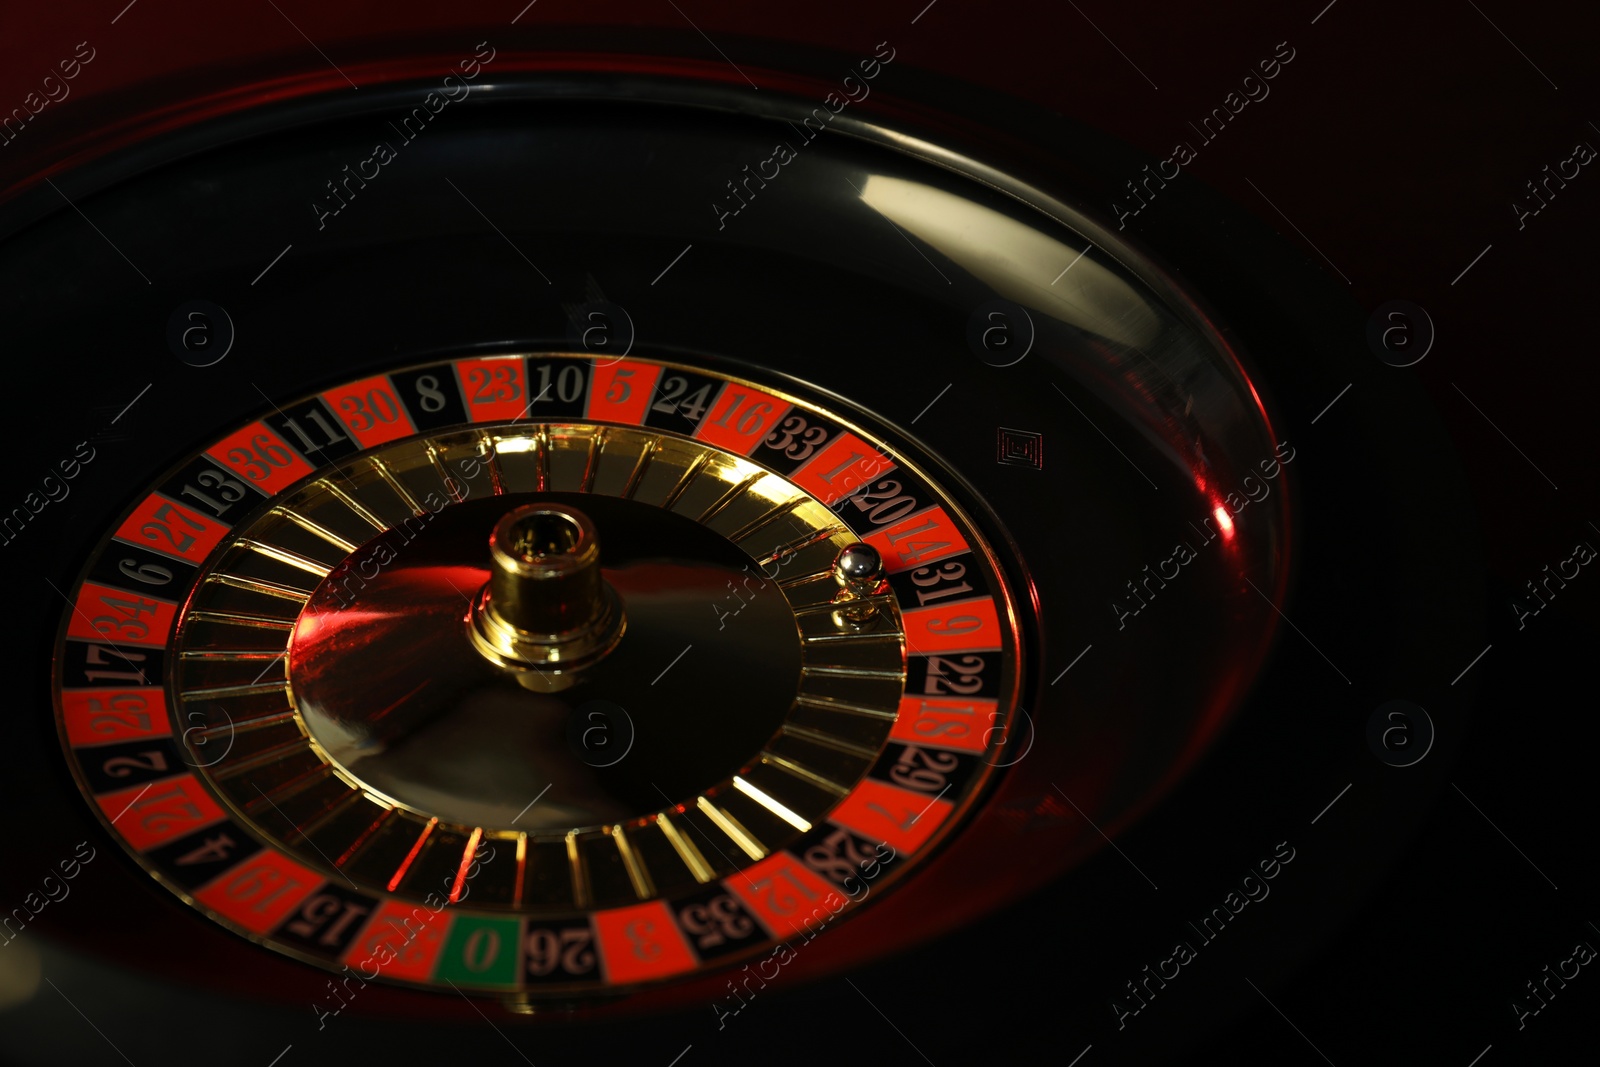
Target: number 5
(620,390)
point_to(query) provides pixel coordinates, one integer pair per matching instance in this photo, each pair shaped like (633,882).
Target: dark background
(1396,142)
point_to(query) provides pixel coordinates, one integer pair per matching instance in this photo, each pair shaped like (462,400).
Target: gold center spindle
(546,575)
(546,613)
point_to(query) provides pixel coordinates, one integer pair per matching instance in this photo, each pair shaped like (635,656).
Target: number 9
(961,624)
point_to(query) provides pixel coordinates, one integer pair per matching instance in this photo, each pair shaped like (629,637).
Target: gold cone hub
(546,613)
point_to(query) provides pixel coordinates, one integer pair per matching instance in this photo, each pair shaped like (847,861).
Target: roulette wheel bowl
(1141,384)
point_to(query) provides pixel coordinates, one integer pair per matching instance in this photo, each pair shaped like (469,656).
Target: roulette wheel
(566,540)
